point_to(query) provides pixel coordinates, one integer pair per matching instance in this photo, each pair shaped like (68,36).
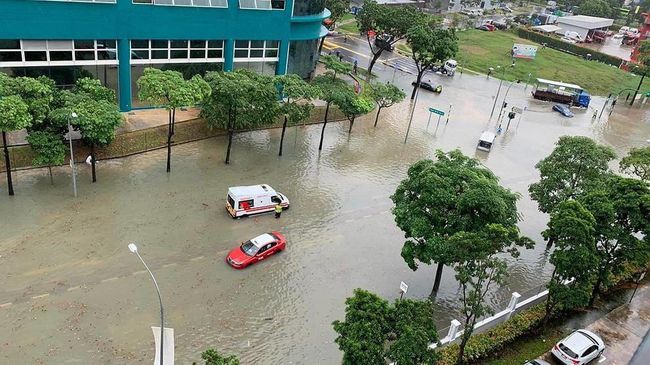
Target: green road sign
(436,111)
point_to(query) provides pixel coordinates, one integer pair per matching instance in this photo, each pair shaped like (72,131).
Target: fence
(144,140)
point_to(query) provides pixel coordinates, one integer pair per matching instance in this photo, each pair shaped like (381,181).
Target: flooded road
(72,293)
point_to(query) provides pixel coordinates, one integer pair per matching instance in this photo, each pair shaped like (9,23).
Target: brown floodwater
(78,296)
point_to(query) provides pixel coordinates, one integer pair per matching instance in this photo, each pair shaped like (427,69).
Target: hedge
(570,48)
(489,342)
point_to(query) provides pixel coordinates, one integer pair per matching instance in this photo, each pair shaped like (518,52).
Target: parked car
(256,249)
(384,43)
(487,27)
(579,348)
(536,362)
(427,85)
(563,109)
(500,24)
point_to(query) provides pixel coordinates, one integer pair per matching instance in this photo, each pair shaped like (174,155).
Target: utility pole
(638,87)
(72,165)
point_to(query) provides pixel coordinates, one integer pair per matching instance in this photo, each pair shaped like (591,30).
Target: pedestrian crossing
(401,63)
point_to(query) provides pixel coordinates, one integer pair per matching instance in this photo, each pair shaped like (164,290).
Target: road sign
(403,287)
(436,111)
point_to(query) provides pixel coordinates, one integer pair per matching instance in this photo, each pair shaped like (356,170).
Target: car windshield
(568,351)
(249,248)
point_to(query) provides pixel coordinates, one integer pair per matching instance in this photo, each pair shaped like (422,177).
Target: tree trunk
(351,124)
(320,46)
(231,132)
(417,84)
(170,132)
(284,128)
(596,290)
(374,59)
(51,177)
(436,283)
(322,133)
(10,184)
(377,117)
(92,161)
(549,303)
(467,334)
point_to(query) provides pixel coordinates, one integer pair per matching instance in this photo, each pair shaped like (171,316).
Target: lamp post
(503,75)
(638,87)
(505,104)
(72,166)
(415,102)
(134,249)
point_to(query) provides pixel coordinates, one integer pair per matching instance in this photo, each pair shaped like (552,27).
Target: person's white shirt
(89,160)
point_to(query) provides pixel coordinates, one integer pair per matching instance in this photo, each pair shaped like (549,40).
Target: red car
(256,249)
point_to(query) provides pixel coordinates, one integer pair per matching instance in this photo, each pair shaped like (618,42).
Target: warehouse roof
(586,22)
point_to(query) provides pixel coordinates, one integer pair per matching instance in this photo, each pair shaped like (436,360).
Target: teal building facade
(115,40)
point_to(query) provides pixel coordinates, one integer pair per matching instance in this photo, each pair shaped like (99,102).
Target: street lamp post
(638,87)
(72,166)
(503,75)
(505,97)
(134,249)
(415,102)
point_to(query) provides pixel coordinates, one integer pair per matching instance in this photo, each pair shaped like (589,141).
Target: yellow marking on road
(41,296)
(170,265)
(110,279)
(73,288)
(5,305)
(197,258)
(347,49)
(139,272)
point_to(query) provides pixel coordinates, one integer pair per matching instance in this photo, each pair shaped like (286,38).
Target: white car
(579,348)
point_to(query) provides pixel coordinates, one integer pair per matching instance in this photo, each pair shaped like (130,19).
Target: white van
(243,201)
(485,141)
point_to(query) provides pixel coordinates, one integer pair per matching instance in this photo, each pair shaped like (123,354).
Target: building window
(201,3)
(256,50)
(175,51)
(262,4)
(308,7)
(16,53)
(87,1)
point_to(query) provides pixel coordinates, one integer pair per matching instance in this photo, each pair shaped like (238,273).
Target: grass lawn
(526,348)
(350,27)
(481,50)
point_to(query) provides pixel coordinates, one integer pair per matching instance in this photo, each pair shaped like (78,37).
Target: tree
(97,114)
(297,97)
(414,330)
(637,162)
(385,95)
(337,8)
(598,8)
(240,99)
(389,24)
(331,89)
(477,258)
(620,207)
(170,89)
(454,194)
(576,165)
(337,67)
(49,148)
(429,47)
(14,116)
(213,357)
(365,330)
(353,105)
(374,330)
(574,258)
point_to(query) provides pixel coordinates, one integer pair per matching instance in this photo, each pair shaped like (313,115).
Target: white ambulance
(255,199)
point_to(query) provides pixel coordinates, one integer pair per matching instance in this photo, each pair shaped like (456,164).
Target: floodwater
(613,47)
(78,296)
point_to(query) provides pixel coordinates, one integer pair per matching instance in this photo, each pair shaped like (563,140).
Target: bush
(570,48)
(483,344)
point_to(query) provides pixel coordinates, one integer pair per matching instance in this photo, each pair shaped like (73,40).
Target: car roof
(262,240)
(487,136)
(537,362)
(251,190)
(578,341)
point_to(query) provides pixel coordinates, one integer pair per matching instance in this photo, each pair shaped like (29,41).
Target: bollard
(453,330)
(512,306)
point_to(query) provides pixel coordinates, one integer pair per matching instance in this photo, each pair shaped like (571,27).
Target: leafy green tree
(14,116)
(389,24)
(49,148)
(576,165)
(338,8)
(385,95)
(365,330)
(39,95)
(414,330)
(637,162)
(97,112)
(213,357)
(331,90)
(337,67)
(453,194)
(240,99)
(170,89)
(574,258)
(297,96)
(430,47)
(620,207)
(353,106)
(374,330)
(477,258)
(598,8)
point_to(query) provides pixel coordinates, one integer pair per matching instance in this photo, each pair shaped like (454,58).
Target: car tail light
(575,362)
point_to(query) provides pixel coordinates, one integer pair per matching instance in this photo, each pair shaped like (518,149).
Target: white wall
(570,28)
